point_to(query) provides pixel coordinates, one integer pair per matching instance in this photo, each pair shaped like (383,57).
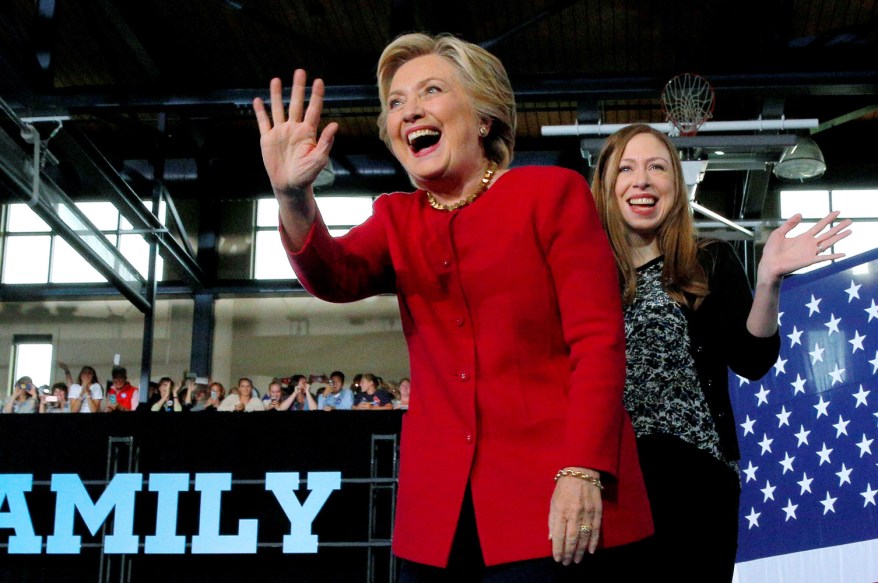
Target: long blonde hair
(683,276)
(481,74)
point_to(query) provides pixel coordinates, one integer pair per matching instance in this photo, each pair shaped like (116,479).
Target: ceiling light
(801,162)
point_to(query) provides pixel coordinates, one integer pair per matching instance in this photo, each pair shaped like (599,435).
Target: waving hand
(291,150)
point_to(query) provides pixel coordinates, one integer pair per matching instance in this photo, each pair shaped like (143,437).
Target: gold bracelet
(594,480)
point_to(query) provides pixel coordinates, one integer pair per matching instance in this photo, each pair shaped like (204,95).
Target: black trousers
(694,499)
(466,564)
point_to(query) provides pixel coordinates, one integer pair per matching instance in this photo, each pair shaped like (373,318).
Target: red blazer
(512,314)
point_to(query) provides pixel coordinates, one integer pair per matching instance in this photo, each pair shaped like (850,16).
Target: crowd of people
(294,393)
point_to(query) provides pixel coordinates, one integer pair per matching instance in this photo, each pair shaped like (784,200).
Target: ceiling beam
(582,88)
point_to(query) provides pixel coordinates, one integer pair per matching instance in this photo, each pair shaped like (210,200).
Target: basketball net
(688,101)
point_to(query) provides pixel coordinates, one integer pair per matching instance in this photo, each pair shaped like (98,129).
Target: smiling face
(645,186)
(432,126)
(245,389)
(367,385)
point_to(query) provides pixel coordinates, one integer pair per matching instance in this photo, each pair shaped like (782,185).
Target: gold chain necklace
(485,182)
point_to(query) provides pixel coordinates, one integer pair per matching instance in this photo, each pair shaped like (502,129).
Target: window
(33,254)
(32,356)
(340,213)
(859,205)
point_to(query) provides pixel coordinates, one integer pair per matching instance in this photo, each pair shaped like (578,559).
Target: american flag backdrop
(808,432)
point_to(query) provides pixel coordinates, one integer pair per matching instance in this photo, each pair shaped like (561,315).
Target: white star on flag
(869,495)
(813,306)
(832,324)
(857,341)
(805,483)
(872,311)
(795,337)
(860,396)
(766,444)
(802,435)
(768,491)
(750,471)
(748,425)
(824,455)
(844,475)
(779,366)
(828,504)
(787,462)
(874,363)
(853,291)
(790,509)
(865,446)
(816,354)
(762,396)
(742,380)
(753,518)
(836,374)
(841,427)
(822,407)
(783,418)
(798,385)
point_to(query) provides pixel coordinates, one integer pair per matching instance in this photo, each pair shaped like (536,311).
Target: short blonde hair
(482,75)
(682,275)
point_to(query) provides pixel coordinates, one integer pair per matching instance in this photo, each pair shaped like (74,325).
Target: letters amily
(119,497)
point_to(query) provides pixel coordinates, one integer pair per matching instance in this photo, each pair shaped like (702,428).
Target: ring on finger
(585,529)
(820,247)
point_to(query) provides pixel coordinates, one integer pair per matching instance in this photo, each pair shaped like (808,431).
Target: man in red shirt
(122,396)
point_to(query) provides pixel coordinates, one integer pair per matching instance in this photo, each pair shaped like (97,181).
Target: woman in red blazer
(503,276)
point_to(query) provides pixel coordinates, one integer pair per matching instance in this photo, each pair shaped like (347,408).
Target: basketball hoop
(688,101)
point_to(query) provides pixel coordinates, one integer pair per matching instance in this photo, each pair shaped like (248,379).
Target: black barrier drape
(354,526)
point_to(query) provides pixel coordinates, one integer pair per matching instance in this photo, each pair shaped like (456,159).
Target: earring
(483,131)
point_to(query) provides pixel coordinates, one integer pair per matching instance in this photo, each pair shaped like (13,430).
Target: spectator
(372,397)
(197,398)
(243,400)
(355,385)
(57,402)
(300,399)
(405,387)
(86,393)
(274,397)
(167,399)
(122,396)
(24,397)
(215,397)
(336,396)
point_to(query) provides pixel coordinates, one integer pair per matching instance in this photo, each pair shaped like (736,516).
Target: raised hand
(783,255)
(292,153)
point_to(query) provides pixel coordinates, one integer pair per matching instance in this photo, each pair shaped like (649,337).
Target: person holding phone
(122,396)
(57,402)
(273,396)
(24,397)
(300,399)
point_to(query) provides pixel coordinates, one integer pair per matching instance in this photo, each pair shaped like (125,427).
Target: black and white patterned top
(662,391)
